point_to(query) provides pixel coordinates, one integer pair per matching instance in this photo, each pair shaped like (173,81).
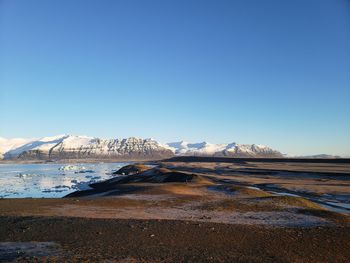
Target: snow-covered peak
(9,144)
(43,144)
(73,146)
(53,138)
(77,146)
(231,149)
(73,141)
(187,148)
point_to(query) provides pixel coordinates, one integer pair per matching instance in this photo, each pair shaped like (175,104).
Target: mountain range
(84,147)
(229,150)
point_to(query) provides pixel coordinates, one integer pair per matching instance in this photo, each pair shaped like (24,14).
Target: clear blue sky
(268,72)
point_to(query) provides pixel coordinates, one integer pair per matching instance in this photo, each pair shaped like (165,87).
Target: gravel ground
(116,240)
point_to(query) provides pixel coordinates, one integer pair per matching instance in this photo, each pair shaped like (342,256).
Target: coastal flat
(189,212)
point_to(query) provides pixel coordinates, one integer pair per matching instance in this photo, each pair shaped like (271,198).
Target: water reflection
(50,180)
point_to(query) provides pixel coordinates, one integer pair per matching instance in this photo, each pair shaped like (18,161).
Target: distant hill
(321,156)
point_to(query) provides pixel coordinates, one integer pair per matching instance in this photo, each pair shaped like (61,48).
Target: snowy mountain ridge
(230,149)
(81,147)
(76,147)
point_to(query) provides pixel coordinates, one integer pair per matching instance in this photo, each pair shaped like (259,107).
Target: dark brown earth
(188,212)
(96,240)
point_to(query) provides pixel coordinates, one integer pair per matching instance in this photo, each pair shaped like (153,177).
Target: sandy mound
(249,191)
(154,175)
(132,169)
(151,181)
(291,201)
(240,191)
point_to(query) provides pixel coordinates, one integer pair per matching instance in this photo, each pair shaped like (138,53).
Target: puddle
(333,208)
(253,188)
(285,194)
(342,205)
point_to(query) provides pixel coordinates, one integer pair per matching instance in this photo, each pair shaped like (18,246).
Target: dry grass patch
(189,190)
(251,192)
(290,201)
(235,205)
(241,191)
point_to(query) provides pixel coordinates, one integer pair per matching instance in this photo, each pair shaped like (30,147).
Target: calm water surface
(51,180)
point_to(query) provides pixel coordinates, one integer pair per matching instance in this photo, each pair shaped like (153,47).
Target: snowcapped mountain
(230,150)
(10,144)
(202,148)
(84,147)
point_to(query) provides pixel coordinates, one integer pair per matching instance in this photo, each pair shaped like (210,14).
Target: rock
(132,169)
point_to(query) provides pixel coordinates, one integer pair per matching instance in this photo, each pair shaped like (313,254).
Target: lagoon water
(51,180)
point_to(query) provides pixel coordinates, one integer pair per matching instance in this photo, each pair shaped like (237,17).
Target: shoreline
(70,161)
(186,159)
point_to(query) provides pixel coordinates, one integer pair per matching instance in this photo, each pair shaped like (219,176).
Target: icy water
(51,180)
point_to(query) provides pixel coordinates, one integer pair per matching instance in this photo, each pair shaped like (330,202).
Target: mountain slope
(84,147)
(10,144)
